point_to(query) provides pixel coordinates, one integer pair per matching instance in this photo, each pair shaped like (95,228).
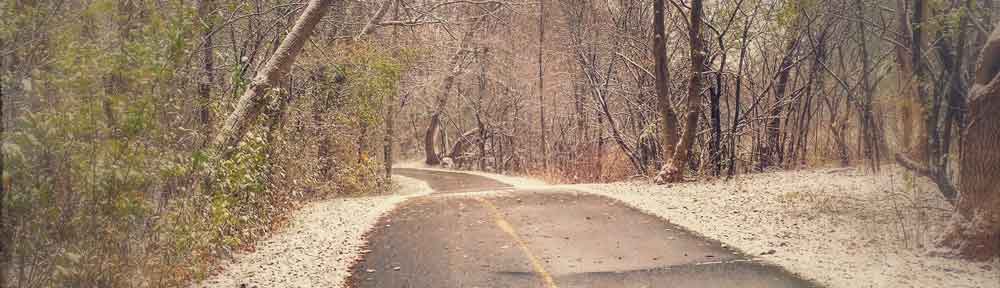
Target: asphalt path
(542,238)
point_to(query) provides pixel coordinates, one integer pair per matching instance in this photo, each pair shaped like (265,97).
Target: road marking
(509,229)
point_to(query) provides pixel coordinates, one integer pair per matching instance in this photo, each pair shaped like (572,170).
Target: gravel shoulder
(838,227)
(318,247)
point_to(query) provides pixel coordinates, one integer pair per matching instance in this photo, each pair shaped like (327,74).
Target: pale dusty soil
(840,227)
(318,247)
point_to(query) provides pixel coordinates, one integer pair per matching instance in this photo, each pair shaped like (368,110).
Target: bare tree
(249,105)
(772,150)
(457,64)
(541,82)
(675,167)
(667,114)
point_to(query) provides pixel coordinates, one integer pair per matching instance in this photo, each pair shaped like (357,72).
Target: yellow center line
(509,229)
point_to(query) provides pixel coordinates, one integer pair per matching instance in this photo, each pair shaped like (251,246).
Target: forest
(144,141)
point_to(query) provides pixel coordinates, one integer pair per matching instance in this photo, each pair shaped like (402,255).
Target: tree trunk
(979,236)
(926,124)
(715,143)
(911,72)
(739,91)
(669,117)
(771,152)
(205,8)
(479,110)
(4,232)
(870,135)
(387,139)
(431,156)
(390,112)
(253,99)
(674,171)
(541,82)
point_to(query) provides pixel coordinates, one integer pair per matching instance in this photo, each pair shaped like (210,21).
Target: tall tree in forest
(771,152)
(4,234)
(207,79)
(979,236)
(390,112)
(923,153)
(912,72)
(249,105)
(674,171)
(734,137)
(667,114)
(541,82)
(870,132)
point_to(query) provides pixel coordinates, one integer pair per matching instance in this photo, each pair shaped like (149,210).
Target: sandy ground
(839,227)
(318,247)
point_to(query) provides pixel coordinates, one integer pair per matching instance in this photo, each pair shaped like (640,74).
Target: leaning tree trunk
(978,236)
(254,98)
(432,157)
(674,170)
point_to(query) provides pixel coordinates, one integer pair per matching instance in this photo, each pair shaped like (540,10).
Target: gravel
(318,247)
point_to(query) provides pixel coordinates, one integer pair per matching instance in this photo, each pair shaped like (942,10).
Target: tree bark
(908,61)
(675,168)
(734,137)
(541,82)
(979,236)
(248,107)
(431,156)
(390,103)
(870,133)
(205,8)
(926,124)
(5,234)
(669,117)
(479,110)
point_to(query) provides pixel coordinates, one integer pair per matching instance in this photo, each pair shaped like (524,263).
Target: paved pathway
(525,238)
